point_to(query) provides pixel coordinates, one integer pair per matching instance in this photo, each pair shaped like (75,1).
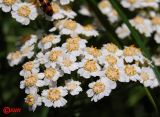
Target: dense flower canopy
(65,49)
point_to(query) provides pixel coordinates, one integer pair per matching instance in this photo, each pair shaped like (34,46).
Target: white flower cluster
(146,26)
(43,75)
(139,4)
(108,65)
(23,12)
(146,23)
(27,50)
(107,9)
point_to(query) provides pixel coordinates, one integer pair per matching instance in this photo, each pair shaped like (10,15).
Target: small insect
(46,6)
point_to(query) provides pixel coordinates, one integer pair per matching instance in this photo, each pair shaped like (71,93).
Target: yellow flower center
(88,27)
(104,4)
(72,44)
(67,62)
(30,100)
(98,87)
(70,24)
(71,86)
(26,50)
(31,81)
(9,2)
(67,8)
(132,1)
(139,20)
(28,66)
(150,1)
(47,39)
(94,51)
(54,94)
(55,7)
(53,56)
(130,70)
(112,73)
(144,76)
(156,20)
(130,51)
(111,59)
(24,11)
(90,66)
(111,47)
(49,73)
(15,55)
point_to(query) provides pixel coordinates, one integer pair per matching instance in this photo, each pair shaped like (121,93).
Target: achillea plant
(66,49)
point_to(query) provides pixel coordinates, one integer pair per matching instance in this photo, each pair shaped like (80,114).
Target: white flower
(32,40)
(99,89)
(65,2)
(6,5)
(113,16)
(68,63)
(92,53)
(131,4)
(51,74)
(74,46)
(114,74)
(57,12)
(70,27)
(148,78)
(29,68)
(48,41)
(24,12)
(111,49)
(123,31)
(32,82)
(88,68)
(85,11)
(139,4)
(156,23)
(157,38)
(143,25)
(156,60)
(110,59)
(89,31)
(54,97)
(105,7)
(52,29)
(40,58)
(68,13)
(132,53)
(73,87)
(14,58)
(33,100)
(131,72)
(150,3)
(53,56)
(27,51)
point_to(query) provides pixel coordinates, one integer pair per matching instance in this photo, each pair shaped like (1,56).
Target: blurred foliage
(127,100)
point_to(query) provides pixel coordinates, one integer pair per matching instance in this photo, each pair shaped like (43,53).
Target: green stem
(151,99)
